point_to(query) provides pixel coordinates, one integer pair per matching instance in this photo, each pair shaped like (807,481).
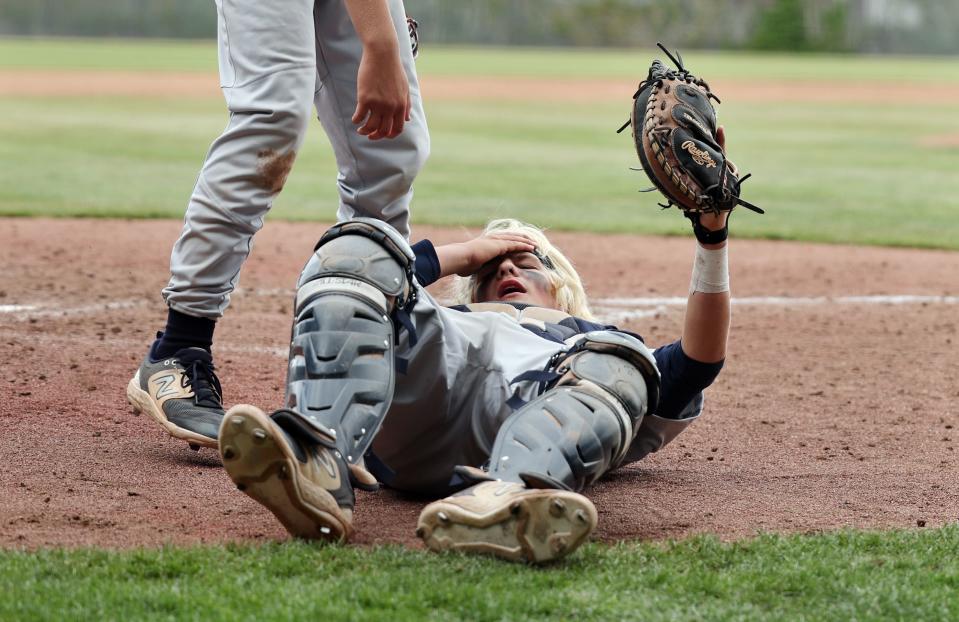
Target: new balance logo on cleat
(163,386)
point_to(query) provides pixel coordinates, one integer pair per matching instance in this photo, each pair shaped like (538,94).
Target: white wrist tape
(710,271)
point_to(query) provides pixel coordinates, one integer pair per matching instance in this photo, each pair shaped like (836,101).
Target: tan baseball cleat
(510,521)
(307,487)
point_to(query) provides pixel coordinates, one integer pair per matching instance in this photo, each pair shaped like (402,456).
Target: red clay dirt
(173,84)
(830,413)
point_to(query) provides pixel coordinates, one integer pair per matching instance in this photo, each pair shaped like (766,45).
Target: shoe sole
(261,463)
(143,403)
(541,526)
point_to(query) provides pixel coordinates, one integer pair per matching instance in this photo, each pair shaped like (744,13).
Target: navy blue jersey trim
(426,268)
(682,378)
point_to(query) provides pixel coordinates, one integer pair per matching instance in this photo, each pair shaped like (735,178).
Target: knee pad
(583,424)
(341,366)
(618,364)
(366,256)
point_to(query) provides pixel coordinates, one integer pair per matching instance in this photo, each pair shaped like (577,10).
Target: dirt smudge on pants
(273,168)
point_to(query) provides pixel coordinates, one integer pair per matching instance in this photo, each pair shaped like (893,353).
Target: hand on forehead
(524,260)
(518,236)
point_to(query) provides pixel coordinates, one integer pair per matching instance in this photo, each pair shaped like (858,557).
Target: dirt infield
(160,84)
(837,407)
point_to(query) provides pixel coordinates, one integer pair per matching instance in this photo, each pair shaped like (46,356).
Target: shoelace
(199,375)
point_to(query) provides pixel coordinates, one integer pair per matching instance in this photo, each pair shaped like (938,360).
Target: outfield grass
(825,172)
(901,575)
(160,55)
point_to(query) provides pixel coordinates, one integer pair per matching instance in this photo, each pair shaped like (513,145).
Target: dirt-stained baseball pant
(452,400)
(277,60)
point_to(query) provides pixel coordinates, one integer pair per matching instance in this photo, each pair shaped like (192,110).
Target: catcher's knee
(365,258)
(583,425)
(616,364)
(341,366)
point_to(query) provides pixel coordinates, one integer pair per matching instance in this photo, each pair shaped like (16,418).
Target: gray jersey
(278,60)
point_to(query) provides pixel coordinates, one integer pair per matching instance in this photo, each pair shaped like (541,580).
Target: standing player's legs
(267,73)
(375,177)
(528,508)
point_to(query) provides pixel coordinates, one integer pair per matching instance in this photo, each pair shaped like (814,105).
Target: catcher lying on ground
(512,402)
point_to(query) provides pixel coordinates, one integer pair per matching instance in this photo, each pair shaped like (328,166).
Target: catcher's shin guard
(582,426)
(352,298)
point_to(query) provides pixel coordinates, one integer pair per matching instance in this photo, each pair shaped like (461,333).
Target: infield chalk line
(621,308)
(785,301)
(113,341)
(22,312)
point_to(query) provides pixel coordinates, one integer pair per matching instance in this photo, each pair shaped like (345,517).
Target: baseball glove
(677,138)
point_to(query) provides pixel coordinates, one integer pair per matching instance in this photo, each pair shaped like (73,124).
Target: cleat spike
(560,544)
(259,434)
(557,508)
(443,517)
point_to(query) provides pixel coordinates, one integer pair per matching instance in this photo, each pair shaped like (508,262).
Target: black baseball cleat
(182,393)
(306,485)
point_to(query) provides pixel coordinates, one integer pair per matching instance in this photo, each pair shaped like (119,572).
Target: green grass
(622,63)
(161,55)
(111,54)
(832,172)
(901,575)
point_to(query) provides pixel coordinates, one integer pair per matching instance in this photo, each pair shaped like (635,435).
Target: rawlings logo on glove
(700,156)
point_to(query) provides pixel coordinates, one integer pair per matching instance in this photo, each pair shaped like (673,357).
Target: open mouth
(509,286)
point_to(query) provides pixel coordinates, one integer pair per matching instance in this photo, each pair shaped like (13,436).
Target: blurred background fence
(871,26)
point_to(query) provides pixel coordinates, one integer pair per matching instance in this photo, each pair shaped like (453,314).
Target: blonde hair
(567,286)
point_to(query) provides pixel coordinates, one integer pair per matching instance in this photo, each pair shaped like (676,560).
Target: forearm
(465,258)
(706,326)
(373,24)
(453,258)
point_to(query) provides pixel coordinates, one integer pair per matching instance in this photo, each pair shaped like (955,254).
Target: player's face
(517,277)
